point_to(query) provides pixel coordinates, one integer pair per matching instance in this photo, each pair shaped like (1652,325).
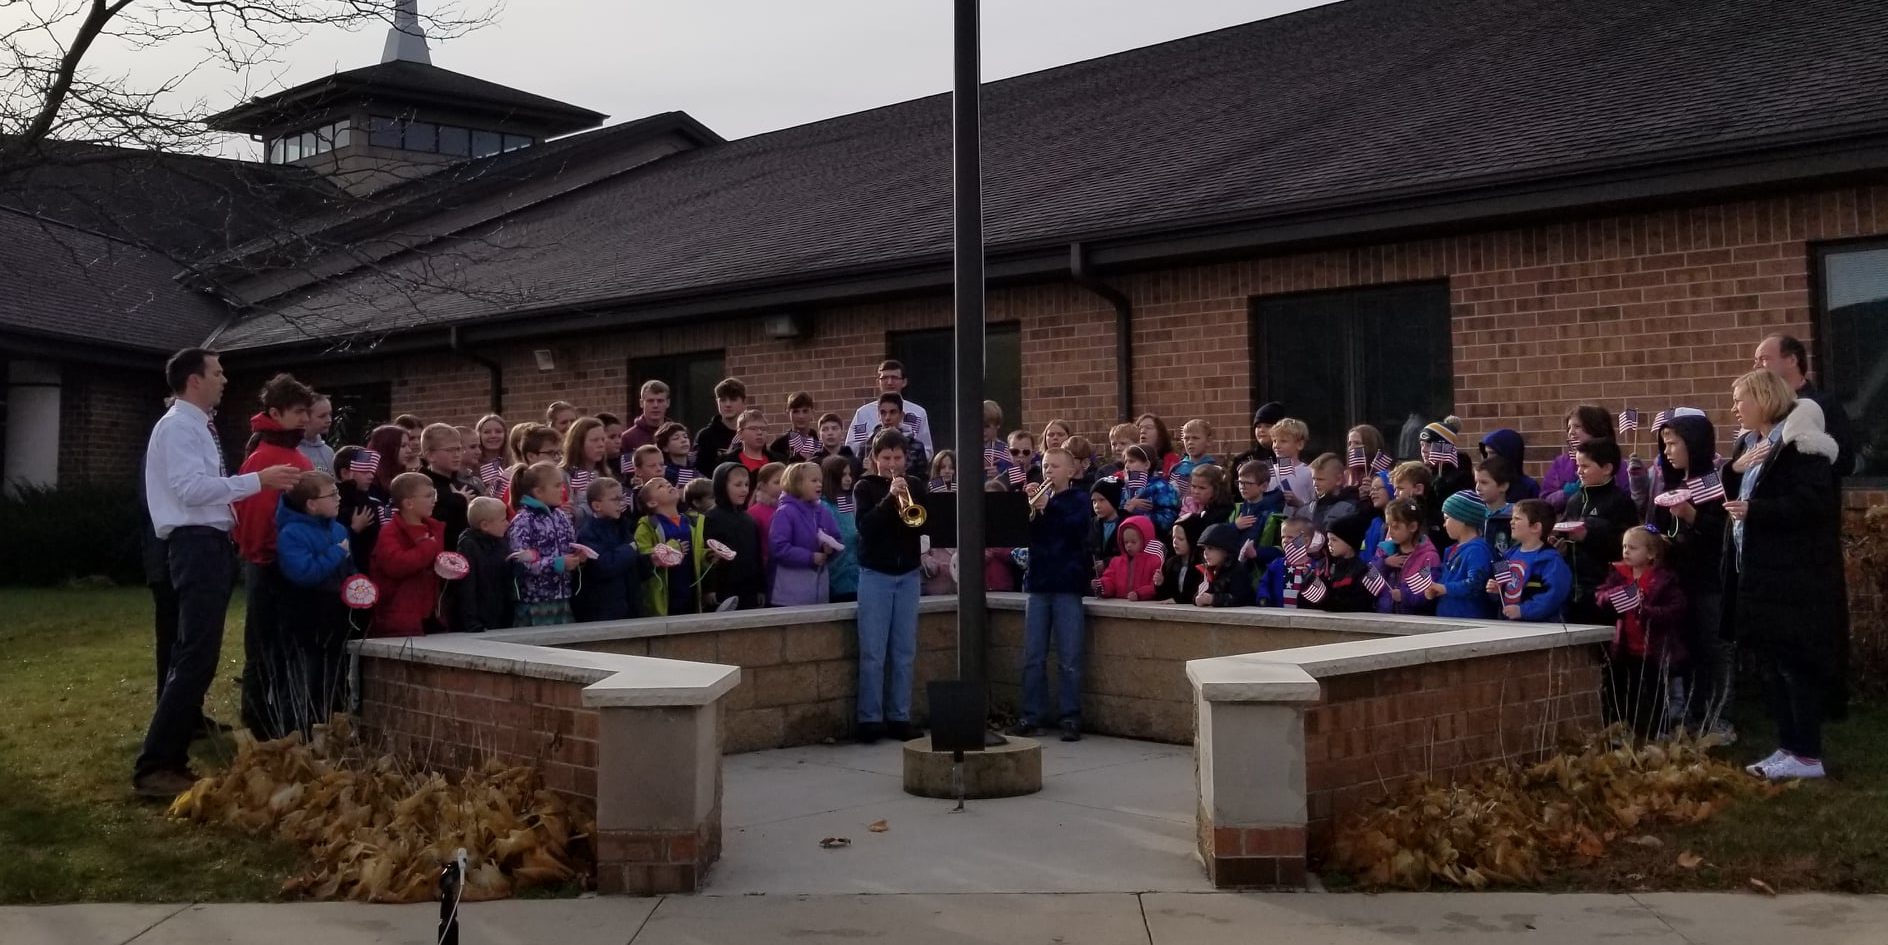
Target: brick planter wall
(452,719)
(1372,730)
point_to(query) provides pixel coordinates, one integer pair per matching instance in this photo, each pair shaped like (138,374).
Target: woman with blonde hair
(1783,561)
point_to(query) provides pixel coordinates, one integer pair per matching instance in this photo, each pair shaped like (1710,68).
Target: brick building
(1371,210)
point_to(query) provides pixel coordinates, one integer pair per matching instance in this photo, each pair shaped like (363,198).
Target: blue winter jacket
(1548,584)
(1466,567)
(1058,546)
(310,550)
(609,588)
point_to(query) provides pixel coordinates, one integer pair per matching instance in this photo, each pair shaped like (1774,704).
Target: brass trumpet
(910,512)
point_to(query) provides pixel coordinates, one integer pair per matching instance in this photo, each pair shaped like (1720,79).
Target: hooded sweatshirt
(255,516)
(1697,545)
(1132,573)
(729,524)
(1509,445)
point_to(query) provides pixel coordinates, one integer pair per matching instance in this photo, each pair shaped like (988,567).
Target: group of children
(559,521)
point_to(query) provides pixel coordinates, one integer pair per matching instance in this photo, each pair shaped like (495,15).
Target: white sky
(739,66)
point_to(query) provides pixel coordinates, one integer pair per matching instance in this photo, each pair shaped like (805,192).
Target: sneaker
(1071,730)
(1024,729)
(163,785)
(902,731)
(1758,768)
(869,733)
(1792,768)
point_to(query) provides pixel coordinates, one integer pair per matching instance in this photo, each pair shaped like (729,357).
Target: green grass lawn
(76,691)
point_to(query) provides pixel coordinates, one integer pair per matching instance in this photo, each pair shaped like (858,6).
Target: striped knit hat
(1448,429)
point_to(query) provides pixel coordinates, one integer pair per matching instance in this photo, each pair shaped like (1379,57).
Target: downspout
(1123,327)
(492,367)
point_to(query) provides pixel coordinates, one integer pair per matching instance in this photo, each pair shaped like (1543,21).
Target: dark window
(691,378)
(358,409)
(929,357)
(514,142)
(1852,303)
(419,136)
(1380,355)
(455,141)
(486,143)
(383,132)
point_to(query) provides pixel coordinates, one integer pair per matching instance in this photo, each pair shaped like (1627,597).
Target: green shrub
(56,535)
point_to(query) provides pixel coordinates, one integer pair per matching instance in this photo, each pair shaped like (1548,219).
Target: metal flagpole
(967,204)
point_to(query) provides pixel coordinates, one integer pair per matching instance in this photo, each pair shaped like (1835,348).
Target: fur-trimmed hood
(1804,429)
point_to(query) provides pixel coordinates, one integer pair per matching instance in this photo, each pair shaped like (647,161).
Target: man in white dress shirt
(891,380)
(190,499)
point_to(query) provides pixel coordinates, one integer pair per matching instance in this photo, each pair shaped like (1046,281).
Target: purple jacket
(1563,471)
(794,538)
(549,533)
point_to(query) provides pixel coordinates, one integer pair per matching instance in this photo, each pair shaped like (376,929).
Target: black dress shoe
(903,731)
(1022,730)
(869,733)
(1071,730)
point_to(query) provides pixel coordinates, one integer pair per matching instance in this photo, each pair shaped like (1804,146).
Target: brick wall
(1134,681)
(451,719)
(1371,730)
(104,423)
(799,682)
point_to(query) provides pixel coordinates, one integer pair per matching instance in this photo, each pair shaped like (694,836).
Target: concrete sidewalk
(1022,919)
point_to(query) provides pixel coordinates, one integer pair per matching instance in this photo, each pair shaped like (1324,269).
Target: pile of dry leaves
(1508,825)
(378,831)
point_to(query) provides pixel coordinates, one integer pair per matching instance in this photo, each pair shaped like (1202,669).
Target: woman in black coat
(1783,562)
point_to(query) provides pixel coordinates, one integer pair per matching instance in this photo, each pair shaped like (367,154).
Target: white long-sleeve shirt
(183,474)
(865,423)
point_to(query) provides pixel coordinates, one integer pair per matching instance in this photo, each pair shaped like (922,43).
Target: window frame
(1822,344)
(940,415)
(1354,398)
(673,373)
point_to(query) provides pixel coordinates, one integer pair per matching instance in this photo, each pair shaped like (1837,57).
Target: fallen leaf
(879,826)
(1689,860)
(1762,887)
(834,843)
(1646,841)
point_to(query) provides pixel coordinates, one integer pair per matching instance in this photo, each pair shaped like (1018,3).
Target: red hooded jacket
(255,516)
(1132,573)
(403,569)
(1654,630)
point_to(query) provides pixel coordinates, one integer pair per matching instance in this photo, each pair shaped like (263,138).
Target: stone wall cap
(577,634)
(610,679)
(1251,679)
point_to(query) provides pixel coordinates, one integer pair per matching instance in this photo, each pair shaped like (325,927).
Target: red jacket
(1655,630)
(1136,572)
(255,516)
(403,568)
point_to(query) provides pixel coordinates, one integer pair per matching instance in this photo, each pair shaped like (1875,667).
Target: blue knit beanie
(1466,507)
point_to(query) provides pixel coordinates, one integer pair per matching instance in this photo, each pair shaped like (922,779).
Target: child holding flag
(1648,608)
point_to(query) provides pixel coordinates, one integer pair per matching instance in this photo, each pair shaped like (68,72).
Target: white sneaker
(1792,768)
(1760,767)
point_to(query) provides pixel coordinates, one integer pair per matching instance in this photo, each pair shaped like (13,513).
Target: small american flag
(1296,556)
(992,454)
(365,461)
(1137,480)
(939,485)
(1419,582)
(1624,599)
(626,464)
(843,504)
(1382,462)
(490,472)
(1705,488)
(1442,451)
(1661,420)
(1356,458)
(1628,420)
(384,512)
(1511,579)
(1313,592)
(580,480)
(685,475)
(1374,582)
(802,445)
(1573,444)
(1016,475)
(1287,468)
(1155,548)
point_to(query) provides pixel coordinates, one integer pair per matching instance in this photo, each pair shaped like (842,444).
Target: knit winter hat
(1467,508)
(1222,536)
(1269,413)
(1110,489)
(1447,429)
(1351,528)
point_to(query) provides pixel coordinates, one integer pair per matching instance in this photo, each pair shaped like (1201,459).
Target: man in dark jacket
(743,578)
(889,584)
(1060,572)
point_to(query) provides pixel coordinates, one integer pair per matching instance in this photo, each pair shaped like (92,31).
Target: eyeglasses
(1017,452)
(1251,482)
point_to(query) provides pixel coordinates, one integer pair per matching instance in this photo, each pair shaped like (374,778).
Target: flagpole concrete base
(1013,769)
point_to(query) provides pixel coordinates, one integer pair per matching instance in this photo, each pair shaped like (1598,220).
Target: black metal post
(967,202)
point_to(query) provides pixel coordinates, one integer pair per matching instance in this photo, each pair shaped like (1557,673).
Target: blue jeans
(888,644)
(1060,614)
(203,571)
